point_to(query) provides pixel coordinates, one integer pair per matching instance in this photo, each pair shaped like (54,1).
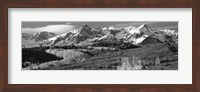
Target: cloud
(58,29)
(69,23)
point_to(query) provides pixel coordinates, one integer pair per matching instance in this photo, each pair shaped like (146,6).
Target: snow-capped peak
(103,37)
(169,32)
(104,28)
(142,26)
(35,34)
(137,30)
(56,37)
(42,36)
(111,28)
(85,26)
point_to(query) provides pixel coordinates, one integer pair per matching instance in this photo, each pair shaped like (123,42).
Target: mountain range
(86,36)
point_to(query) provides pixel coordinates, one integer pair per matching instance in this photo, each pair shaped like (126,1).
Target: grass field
(111,60)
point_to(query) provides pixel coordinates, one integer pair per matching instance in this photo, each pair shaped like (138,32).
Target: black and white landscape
(99,45)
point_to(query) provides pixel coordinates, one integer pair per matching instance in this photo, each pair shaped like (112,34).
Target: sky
(32,27)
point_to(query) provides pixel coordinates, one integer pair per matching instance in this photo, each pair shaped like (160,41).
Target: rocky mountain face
(42,36)
(150,40)
(26,36)
(33,40)
(145,34)
(74,37)
(85,35)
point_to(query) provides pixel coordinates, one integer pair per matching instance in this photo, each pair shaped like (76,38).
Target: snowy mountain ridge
(85,34)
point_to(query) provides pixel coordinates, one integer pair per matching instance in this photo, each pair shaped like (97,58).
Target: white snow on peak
(138,40)
(141,26)
(134,30)
(104,28)
(111,28)
(35,34)
(169,32)
(137,30)
(105,36)
(75,31)
(56,37)
(53,38)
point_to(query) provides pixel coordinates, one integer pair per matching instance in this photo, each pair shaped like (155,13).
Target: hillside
(103,60)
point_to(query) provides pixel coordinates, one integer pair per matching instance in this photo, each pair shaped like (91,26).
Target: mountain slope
(29,41)
(26,36)
(139,34)
(42,36)
(74,37)
(150,40)
(87,36)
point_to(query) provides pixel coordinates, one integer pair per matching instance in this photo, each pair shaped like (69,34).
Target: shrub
(130,64)
(157,61)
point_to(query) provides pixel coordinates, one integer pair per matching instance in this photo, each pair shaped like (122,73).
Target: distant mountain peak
(85,30)
(85,26)
(42,36)
(138,34)
(143,25)
(85,34)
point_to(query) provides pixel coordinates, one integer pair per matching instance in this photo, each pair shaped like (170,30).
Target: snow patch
(105,36)
(135,30)
(169,32)
(138,40)
(111,28)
